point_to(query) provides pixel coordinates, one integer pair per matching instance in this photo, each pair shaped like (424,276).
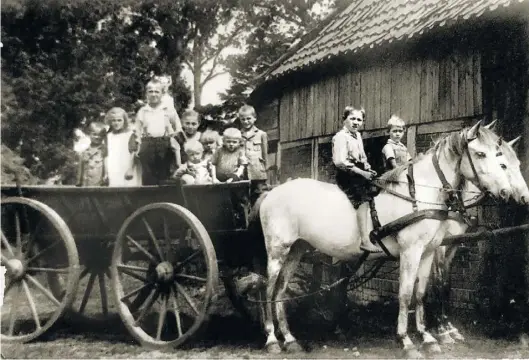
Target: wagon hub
(15,268)
(164,272)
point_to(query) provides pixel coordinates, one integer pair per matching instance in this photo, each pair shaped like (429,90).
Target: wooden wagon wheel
(164,274)
(30,258)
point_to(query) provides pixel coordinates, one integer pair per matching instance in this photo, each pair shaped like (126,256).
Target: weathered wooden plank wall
(420,91)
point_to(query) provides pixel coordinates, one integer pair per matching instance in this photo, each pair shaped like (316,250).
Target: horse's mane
(453,142)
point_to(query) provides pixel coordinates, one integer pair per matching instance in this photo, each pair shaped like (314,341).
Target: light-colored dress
(119,160)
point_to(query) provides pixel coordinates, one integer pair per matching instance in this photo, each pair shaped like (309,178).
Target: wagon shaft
(484,235)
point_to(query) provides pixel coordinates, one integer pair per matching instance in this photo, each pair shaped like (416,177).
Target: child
(121,160)
(230,160)
(394,153)
(190,124)
(92,169)
(353,173)
(210,139)
(256,149)
(156,124)
(196,170)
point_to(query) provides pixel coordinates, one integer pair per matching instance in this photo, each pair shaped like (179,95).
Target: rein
(456,209)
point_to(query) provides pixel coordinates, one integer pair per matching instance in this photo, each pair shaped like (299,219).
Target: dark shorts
(357,188)
(157,158)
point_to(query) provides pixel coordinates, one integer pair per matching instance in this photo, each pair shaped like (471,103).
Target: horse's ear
(473,132)
(491,125)
(515,141)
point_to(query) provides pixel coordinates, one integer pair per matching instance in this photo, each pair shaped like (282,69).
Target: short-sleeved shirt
(348,150)
(157,122)
(256,150)
(397,151)
(93,160)
(226,162)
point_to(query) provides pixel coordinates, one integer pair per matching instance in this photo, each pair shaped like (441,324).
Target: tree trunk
(197,73)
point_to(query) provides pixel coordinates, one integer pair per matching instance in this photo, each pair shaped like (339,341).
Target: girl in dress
(122,166)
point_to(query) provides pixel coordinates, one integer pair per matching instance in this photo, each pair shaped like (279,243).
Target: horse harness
(456,210)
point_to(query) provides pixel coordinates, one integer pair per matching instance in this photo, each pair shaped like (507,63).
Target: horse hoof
(273,348)
(456,335)
(432,348)
(293,347)
(445,339)
(412,354)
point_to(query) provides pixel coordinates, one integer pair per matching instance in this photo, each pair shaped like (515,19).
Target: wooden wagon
(153,249)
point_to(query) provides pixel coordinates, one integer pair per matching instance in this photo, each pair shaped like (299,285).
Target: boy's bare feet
(369,247)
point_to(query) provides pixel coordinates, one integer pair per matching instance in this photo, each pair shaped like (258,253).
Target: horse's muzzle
(505,194)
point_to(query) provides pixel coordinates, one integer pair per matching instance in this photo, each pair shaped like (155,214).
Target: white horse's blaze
(321,216)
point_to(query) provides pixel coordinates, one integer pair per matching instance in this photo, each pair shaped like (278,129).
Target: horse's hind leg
(277,254)
(291,263)
(425,266)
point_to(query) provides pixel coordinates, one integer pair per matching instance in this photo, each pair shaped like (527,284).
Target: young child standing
(353,173)
(92,170)
(210,139)
(190,124)
(255,148)
(395,153)
(121,161)
(156,124)
(196,170)
(230,160)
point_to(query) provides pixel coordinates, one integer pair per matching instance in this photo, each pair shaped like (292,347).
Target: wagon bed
(149,246)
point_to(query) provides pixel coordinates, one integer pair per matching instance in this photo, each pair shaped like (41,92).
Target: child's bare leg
(362,213)
(187,179)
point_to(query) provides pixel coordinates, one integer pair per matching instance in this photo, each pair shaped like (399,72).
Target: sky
(210,92)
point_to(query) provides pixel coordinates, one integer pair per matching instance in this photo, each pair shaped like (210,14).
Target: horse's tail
(255,233)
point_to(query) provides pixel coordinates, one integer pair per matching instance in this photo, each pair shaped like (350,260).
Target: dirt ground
(370,336)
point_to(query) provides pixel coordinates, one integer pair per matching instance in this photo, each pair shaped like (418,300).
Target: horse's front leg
(450,329)
(409,265)
(425,266)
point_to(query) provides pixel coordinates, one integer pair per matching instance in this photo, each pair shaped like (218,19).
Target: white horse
(320,215)
(444,330)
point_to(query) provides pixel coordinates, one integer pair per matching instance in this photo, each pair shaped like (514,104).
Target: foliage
(79,59)
(214,27)
(13,166)
(277,25)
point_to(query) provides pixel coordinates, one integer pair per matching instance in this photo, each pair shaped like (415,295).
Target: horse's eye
(481,154)
(498,154)
(503,166)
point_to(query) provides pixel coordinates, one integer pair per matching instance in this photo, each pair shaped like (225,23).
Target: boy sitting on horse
(353,173)
(395,153)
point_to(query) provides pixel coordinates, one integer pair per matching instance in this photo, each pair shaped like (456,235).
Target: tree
(277,25)
(81,58)
(215,27)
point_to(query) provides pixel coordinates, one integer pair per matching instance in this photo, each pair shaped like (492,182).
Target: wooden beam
(410,140)
(445,126)
(315,161)
(296,143)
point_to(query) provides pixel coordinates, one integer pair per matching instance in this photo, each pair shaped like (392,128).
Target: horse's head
(520,192)
(482,161)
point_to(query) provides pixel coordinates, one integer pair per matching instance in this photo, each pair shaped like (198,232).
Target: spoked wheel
(164,274)
(36,246)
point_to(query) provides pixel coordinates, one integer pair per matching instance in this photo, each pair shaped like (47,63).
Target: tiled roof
(368,23)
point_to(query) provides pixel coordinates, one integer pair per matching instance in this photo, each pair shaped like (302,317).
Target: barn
(440,65)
